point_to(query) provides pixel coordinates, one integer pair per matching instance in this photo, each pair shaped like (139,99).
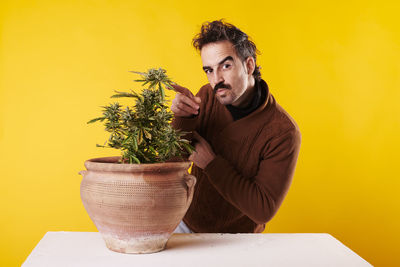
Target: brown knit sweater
(244,186)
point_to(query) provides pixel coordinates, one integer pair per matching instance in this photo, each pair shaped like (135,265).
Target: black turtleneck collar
(258,99)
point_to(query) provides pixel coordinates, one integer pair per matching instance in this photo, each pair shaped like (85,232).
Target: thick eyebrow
(219,63)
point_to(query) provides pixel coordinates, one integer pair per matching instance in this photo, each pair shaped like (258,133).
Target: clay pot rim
(110,164)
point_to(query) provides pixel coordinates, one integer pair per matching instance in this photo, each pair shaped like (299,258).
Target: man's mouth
(222,92)
(220,87)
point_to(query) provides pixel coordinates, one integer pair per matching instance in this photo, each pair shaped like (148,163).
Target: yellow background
(333,66)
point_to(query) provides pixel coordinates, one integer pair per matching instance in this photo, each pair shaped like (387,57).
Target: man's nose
(218,77)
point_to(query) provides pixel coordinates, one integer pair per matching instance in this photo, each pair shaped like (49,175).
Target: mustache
(221,85)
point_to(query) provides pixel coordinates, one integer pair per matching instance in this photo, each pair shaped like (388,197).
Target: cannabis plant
(143,131)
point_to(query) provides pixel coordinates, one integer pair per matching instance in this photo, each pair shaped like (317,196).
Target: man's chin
(224,100)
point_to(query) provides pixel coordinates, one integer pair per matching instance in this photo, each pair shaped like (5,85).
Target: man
(246,144)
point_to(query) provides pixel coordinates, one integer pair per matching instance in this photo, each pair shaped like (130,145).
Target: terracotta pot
(136,207)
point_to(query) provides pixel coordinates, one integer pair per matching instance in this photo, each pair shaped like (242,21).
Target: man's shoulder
(281,130)
(276,120)
(282,122)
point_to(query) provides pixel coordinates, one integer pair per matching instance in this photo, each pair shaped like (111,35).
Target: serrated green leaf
(137,72)
(188,148)
(136,159)
(140,137)
(123,94)
(135,144)
(96,119)
(161,91)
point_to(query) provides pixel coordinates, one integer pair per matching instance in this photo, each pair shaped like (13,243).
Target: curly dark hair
(219,30)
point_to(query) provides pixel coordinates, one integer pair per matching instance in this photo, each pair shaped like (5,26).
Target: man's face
(226,73)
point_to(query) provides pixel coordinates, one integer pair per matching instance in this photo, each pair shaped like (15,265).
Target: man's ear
(250,65)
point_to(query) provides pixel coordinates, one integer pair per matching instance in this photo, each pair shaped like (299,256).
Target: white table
(62,249)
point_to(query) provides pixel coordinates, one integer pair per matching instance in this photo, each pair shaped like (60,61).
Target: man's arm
(258,197)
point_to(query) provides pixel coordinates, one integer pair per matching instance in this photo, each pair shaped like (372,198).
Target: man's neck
(245,99)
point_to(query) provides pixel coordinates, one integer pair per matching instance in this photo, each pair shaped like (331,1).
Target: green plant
(143,132)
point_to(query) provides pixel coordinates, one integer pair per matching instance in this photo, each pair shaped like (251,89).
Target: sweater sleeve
(259,197)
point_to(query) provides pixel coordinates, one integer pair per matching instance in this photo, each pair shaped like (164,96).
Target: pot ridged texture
(136,207)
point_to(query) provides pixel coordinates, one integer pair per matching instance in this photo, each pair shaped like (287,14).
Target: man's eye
(226,66)
(207,71)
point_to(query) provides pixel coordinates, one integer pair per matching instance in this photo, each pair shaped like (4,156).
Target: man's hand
(204,154)
(185,104)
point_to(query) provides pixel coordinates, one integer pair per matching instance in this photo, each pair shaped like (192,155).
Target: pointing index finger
(182,90)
